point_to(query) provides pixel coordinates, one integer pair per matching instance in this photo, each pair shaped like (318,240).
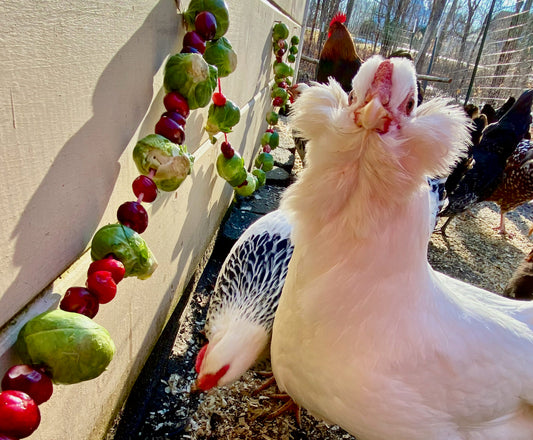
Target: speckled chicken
(498,142)
(241,310)
(516,187)
(367,335)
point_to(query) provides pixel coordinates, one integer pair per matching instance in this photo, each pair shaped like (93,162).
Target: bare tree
(437,10)
(445,28)
(516,30)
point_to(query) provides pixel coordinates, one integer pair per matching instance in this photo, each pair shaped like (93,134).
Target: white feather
(366,334)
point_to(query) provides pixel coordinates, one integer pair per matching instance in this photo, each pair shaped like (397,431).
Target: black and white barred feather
(251,279)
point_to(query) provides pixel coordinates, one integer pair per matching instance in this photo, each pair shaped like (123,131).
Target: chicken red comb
(339,17)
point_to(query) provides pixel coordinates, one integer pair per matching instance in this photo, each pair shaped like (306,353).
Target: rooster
(367,335)
(241,310)
(338,58)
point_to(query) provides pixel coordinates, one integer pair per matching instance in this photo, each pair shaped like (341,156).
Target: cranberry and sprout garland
(118,250)
(279,94)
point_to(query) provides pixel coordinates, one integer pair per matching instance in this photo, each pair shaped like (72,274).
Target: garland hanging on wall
(191,80)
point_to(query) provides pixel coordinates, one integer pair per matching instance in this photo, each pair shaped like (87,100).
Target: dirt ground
(472,251)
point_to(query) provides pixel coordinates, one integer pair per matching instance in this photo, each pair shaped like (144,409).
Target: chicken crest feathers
(359,172)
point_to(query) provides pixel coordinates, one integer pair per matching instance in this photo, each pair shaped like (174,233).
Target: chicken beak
(373,116)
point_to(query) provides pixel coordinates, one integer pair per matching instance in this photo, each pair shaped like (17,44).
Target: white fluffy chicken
(241,311)
(367,335)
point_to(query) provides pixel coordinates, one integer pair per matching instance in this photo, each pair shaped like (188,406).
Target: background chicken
(367,335)
(338,58)
(520,285)
(242,307)
(516,187)
(498,142)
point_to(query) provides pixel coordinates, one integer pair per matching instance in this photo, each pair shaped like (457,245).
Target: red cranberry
(170,129)
(19,414)
(27,379)
(111,265)
(219,99)
(277,101)
(176,117)
(193,39)
(145,186)
(189,49)
(133,215)
(80,300)
(173,101)
(102,285)
(227,150)
(206,25)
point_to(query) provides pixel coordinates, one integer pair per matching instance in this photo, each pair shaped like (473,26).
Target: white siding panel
(80,83)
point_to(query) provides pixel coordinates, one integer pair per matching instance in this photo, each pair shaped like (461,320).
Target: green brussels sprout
(295,40)
(272,118)
(232,170)
(191,76)
(247,189)
(265,161)
(274,140)
(265,139)
(217,7)
(293,50)
(222,118)
(280,31)
(220,54)
(260,175)
(291,58)
(282,70)
(278,92)
(70,346)
(171,162)
(126,246)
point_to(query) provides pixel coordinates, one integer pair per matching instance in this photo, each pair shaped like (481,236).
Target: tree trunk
(444,31)
(431,31)
(516,30)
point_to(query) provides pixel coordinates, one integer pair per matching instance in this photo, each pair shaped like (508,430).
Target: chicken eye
(410,105)
(350,98)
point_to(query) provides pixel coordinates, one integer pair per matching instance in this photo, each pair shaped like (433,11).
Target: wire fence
(481,52)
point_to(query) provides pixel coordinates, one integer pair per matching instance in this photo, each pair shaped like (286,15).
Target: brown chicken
(516,187)
(338,58)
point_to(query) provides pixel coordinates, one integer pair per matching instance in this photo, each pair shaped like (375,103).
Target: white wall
(80,83)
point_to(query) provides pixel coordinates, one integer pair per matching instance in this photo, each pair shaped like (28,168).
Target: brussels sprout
(291,58)
(70,346)
(278,92)
(265,161)
(247,189)
(293,50)
(222,118)
(295,40)
(171,162)
(126,246)
(189,75)
(221,54)
(217,7)
(280,31)
(232,170)
(274,140)
(265,139)
(282,70)
(272,118)
(260,175)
